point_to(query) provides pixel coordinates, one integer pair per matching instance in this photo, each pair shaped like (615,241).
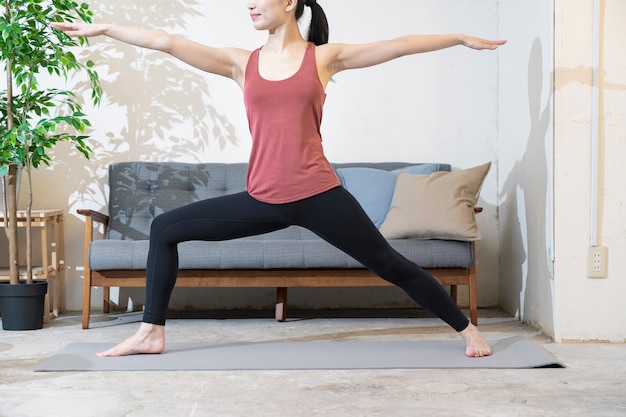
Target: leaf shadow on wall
(166,106)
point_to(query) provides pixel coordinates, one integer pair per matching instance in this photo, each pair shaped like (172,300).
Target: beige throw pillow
(436,206)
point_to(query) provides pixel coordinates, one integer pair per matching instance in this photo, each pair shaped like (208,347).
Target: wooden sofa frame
(281,279)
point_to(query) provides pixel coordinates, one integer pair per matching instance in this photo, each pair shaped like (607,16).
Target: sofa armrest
(93,217)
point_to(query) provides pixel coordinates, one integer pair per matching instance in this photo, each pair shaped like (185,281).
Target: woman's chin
(256,23)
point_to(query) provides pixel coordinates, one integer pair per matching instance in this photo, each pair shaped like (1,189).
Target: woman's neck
(284,38)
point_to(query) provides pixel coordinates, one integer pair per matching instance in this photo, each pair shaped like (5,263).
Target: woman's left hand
(478,43)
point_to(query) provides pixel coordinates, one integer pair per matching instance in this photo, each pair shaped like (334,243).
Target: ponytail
(318,29)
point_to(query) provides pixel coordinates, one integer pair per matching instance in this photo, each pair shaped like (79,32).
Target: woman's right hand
(76,29)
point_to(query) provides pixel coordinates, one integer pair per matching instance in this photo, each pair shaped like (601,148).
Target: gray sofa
(292,257)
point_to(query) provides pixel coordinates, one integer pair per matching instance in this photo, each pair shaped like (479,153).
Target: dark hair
(318,30)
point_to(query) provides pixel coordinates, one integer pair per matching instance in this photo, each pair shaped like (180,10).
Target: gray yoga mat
(515,352)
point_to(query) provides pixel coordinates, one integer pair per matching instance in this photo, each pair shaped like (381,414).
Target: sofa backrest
(140,191)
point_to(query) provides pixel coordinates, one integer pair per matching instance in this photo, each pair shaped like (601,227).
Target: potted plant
(32,120)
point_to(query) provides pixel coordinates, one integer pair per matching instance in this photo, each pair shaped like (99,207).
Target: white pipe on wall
(595,124)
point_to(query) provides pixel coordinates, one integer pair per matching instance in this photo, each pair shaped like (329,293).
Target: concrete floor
(593,384)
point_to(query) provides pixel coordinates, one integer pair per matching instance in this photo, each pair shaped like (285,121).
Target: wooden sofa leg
(86,298)
(106,296)
(472,300)
(281,304)
(453,293)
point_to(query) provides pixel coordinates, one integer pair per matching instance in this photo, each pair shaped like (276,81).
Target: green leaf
(34,48)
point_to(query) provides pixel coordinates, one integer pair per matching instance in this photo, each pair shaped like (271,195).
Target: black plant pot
(22,306)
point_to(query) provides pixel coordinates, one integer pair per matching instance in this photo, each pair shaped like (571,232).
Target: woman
(289,180)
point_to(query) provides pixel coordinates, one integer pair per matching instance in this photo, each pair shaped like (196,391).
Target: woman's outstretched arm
(228,62)
(339,57)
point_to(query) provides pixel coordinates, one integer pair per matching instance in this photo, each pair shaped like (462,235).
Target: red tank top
(287,161)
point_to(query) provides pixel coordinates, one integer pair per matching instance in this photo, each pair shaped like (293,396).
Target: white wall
(544,159)
(525,153)
(587,308)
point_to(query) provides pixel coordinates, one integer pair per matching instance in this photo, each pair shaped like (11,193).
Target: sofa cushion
(436,206)
(373,188)
(273,252)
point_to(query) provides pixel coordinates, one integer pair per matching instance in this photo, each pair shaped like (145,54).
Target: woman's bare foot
(150,338)
(476,344)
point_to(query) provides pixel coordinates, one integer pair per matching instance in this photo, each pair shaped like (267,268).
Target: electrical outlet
(598,262)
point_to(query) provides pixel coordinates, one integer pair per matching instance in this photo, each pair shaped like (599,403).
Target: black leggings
(334,215)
